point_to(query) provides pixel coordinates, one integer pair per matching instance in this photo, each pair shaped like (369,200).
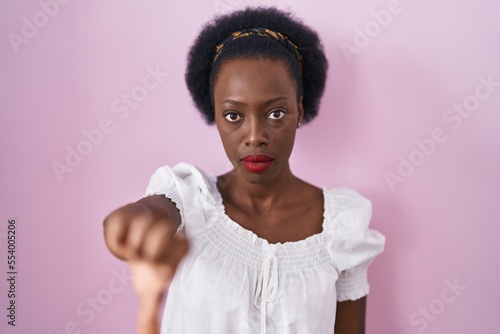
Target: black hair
(201,72)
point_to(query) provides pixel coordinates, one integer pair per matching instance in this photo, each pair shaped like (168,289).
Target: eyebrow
(275,99)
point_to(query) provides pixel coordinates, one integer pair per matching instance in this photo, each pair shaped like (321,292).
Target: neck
(259,197)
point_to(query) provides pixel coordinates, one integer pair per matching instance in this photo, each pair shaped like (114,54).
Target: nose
(256,133)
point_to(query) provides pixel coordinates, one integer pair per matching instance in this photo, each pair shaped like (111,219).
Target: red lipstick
(257,163)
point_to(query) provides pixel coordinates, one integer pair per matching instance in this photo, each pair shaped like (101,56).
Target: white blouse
(233,281)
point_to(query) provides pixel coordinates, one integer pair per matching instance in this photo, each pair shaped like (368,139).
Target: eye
(232,117)
(276,114)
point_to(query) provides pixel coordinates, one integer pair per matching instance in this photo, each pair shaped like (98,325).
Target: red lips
(257,163)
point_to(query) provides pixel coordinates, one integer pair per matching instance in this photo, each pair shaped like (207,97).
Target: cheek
(284,132)
(287,140)
(230,140)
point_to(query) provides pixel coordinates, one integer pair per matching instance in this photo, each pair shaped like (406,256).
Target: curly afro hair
(201,72)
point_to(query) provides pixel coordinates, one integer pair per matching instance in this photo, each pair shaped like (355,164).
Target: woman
(257,249)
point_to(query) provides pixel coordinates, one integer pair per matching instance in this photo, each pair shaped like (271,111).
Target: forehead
(253,78)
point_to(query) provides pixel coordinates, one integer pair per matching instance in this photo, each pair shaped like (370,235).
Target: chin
(261,178)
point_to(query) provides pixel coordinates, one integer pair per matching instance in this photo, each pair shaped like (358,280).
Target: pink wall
(398,88)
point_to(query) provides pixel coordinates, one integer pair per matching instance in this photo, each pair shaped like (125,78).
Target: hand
(145,236)
(141,232)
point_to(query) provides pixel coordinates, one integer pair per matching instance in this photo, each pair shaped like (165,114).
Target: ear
(300,109)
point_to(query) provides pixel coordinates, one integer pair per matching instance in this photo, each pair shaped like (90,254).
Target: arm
(143,234)
(350,318)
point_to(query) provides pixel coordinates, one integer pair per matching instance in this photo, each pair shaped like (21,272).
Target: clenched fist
(143,233)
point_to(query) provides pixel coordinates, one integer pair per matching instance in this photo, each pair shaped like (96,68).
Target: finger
(165,248)
(136,233)
(158,241)
(115,232)
(116,226)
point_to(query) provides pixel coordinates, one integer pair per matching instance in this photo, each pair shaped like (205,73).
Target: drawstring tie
(267,286)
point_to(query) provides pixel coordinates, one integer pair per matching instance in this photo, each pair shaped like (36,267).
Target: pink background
(441,223)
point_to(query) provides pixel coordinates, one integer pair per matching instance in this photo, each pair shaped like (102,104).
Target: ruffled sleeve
(352,244)
(187,187)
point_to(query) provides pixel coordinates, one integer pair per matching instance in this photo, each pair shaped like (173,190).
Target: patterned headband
(277,36)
